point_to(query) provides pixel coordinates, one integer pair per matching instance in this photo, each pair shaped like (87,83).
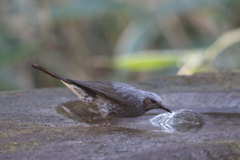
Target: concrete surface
(46,123)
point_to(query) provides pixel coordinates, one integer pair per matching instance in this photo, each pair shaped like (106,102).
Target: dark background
(115,40)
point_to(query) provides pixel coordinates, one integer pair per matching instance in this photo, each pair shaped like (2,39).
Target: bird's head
(153,101)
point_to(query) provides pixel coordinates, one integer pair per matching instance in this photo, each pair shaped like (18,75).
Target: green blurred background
(116,40)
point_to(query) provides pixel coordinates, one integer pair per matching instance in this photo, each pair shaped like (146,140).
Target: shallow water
(181,120)
(214,122)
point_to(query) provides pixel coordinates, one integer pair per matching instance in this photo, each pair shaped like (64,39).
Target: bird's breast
(126,112)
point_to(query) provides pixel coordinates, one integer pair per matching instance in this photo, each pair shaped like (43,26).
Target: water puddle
(191,121)
(181,120)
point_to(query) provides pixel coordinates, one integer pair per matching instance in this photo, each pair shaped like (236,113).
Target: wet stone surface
(48,123)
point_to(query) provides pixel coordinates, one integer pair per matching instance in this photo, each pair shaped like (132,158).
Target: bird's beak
(164,108)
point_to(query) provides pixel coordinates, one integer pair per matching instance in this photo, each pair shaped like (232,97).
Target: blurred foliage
(115,40)
(154,59)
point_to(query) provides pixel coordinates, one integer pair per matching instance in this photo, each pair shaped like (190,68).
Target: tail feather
(36,66)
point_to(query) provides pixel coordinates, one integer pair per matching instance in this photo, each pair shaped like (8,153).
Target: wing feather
(103,88)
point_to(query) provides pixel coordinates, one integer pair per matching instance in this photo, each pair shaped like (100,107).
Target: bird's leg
(90,119)
(107,123)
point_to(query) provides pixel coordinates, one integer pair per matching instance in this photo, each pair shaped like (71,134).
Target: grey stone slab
(46,123)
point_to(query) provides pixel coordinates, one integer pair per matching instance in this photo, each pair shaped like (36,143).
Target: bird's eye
(153,101)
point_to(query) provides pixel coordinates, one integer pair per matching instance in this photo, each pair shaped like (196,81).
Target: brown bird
(111,98)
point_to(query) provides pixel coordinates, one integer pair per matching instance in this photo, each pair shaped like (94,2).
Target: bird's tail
(34,65)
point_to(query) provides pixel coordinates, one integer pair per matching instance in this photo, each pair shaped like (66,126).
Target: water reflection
(182,120)
(179,121)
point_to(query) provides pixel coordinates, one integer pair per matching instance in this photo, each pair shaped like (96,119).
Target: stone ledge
(31,128)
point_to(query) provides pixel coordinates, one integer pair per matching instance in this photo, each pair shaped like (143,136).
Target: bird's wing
(103,88)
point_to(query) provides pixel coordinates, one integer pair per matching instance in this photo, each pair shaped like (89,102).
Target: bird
(107,98)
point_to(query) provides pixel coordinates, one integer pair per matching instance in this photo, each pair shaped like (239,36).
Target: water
(179,121)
